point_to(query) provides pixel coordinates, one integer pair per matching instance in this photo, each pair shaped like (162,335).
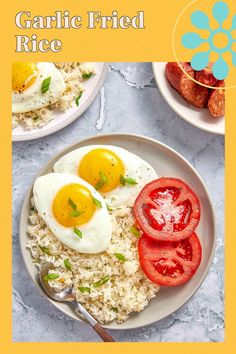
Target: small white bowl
(199,117)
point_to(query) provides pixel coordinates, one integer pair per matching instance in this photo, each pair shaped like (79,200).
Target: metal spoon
(67,295)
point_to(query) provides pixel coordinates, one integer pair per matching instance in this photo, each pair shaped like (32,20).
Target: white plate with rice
(139,302)
(64,111)
(198,117)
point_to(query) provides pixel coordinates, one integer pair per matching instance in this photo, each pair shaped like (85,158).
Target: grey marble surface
(128,102)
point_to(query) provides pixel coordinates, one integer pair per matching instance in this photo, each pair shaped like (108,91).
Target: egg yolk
(73,205)
(23,75)
(102,168)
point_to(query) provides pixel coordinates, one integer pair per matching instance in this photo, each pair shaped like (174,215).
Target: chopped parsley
(115,309)
(51,276)
(135,231)
(86,76)
(101,282)
(67,264)
(120,256)
(72,204)
(45,250)
(109,208)
(78,232)
(127,180)
(78,98)
(84,289)
(75,212)
(97,202)
(45,84)
(103,180)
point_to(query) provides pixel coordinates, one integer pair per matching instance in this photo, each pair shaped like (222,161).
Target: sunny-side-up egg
(35,85)
(116,173)
(74,211)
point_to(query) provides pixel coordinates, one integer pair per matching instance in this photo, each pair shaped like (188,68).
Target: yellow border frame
(119,46)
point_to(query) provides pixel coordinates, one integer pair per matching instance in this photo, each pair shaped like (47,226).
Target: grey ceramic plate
(167,162)
(62,119)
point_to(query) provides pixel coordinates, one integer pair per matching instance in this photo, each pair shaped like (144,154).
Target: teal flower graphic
(192,40)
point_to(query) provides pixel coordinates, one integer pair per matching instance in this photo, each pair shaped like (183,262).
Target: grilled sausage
(174,73)
(206,76)
(194,93)
(216,103)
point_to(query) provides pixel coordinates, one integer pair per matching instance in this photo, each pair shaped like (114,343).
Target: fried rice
(123,288)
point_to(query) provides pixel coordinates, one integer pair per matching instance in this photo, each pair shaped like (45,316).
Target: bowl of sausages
(201,106)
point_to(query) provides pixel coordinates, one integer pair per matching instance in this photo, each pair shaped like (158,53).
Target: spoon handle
(96,326)
(103,333)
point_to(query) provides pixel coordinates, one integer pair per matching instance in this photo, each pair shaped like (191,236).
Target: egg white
(135,167)
(32,98)
(96,233)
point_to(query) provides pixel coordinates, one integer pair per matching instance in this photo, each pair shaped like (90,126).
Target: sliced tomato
(166,209)
(169,263)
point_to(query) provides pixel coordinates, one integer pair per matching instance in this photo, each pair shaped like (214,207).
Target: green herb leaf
(109,208)
(120,256)
(127,180)
(135,231)
(35,118)
(45,250)
(78,98)
(122,180)
(101,282)
(84,289)
(32,209)
(130,180)
(101,182)
(97,202)
(86,76)
(45,84)
(72,204)
(51,276)
(67,264)
(78,232)
(103,177)
(99,185)
(115,309)
(75,212)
